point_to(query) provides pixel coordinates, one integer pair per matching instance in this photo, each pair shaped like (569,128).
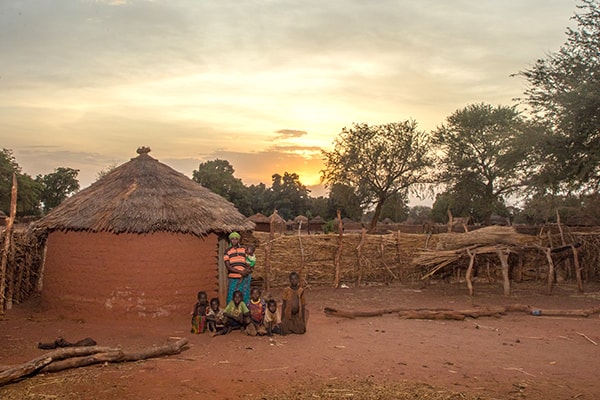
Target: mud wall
(147,275)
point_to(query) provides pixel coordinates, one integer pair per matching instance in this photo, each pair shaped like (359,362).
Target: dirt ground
(516,356)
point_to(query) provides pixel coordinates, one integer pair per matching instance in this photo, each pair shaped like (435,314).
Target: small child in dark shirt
(272,318)
(199,313)
(215,320)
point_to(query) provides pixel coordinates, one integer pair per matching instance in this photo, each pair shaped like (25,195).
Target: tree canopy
(378,161)
(28,190)
(564,96)
(479,159)
(57,186)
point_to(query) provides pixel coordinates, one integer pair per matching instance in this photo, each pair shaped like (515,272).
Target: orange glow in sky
(264,85)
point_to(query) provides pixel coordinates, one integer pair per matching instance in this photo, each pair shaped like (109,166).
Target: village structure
(142,240)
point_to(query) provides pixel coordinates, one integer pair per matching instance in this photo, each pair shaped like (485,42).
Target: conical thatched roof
(258,217)
(142,196)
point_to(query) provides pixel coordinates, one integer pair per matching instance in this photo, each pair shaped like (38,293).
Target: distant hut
(301,223)
(142,240)
(317,224)
(261,222)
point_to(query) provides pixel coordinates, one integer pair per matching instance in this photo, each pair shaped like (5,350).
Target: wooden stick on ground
(73,357)
(587,338)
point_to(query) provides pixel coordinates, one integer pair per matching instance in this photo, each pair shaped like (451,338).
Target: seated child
(237,315)
(272,318)
(257,307)
(199,313)
(293,309)
(215,320)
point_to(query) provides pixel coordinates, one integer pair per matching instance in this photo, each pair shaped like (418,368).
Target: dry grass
(368,390)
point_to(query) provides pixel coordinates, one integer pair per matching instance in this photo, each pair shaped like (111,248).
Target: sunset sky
(262,84)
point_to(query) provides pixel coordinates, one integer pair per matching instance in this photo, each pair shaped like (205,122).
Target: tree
(396,207)
(319,206)
(479,159)
(378,161)
(288,195)
(28,191)
(217,175)
(343,197)
(105,171)
(564,94)
(57,186)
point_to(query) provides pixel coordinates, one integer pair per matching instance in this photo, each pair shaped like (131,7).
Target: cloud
(290,133)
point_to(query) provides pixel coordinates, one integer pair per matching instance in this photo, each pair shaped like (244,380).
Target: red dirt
(516,356)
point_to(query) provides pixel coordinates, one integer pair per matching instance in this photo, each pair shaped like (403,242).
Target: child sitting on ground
(215,320)
(272,318)
(199,313)
(293,309)
(237,315)
(257,307)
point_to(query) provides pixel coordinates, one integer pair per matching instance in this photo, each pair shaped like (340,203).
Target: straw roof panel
(142,196)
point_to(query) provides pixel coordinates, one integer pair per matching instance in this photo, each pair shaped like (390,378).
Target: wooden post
(519,272)
(268,253)
(450,220)
(548,252)
(11,274)
(398,258)
(338,252)
(503,255)
(7,240)
(577,268)
(469,272)
(363,239)
(222,271)
(301,272)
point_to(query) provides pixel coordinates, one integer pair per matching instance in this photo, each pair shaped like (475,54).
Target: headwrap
(235,235)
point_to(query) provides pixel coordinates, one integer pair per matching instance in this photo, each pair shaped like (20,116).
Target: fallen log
(425,314)
(375,313)
(73,357)
(444,313)
(14,373)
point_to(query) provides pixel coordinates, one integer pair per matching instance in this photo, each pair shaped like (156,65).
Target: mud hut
(142,240)
(261,222)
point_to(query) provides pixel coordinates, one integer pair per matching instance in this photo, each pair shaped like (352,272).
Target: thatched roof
(142,196)
(300,219)
(258,217)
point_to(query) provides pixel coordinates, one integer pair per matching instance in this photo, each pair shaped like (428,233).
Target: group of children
(257,316)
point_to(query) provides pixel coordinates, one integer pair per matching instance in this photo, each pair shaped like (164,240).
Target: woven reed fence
(395,256)
(383,258)
(24,263)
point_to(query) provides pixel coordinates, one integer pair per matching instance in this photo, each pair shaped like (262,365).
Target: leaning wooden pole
(7,238)
(268,252)
(548,252)
(338,252)
(503,255)
(359,262)
(469,272)
(577,268)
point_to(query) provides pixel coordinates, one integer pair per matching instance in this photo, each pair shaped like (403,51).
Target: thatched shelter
(142,240)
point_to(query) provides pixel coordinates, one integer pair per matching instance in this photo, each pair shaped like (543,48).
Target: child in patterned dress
(257,307)
(199,313)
